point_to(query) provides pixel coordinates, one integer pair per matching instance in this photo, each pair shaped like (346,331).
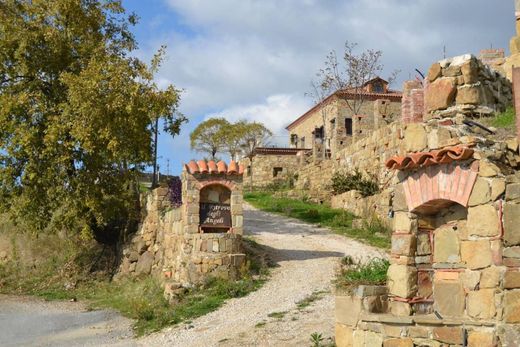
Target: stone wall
(465,86)
(270,168)
(172,245)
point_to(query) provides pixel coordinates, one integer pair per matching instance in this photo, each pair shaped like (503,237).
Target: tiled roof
(210,167)
(279,151)
(421,159)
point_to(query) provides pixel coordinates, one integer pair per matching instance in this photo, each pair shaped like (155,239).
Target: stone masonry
(170,242)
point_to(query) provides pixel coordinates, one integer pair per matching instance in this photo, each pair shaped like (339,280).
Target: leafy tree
(233,137)
(76,113)
(208,136)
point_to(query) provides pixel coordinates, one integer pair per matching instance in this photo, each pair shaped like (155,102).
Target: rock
(347,309)
(438,138)
(512,252)
(451,335)
(480,339)
(404,342)
(447,247)
(512,279)
(470,96)
(481,193)
(423,244)
(488,169)
(400,309)
(511,306)
(513,191)
(399,199)
(403,223)
(402,280)
(133,256)
(415,137)
(452,71)
(470,279)
(449,298)
(483,219)
(403,244)
(490,277)
(434,72)
(144,264)
(373,339)
(511,224)
(440,94)
(470,72)
(481,304)
(476,254)
(418,331)
(343,335)
(498,187)
(512,144)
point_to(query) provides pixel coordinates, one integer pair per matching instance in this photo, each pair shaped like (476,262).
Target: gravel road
(306,257)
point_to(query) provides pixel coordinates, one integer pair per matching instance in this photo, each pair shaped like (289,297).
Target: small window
(348,126)
(277,171)
(302,141)
(378,88)
(249,170)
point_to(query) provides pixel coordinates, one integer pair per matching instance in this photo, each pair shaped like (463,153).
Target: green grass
(277,315)
(339,221)
(505,119)
(353,274)
(306,302)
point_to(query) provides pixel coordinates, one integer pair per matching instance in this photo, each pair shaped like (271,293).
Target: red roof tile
(211,167)
(422,159)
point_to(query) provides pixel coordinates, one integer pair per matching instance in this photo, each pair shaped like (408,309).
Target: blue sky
(254,59)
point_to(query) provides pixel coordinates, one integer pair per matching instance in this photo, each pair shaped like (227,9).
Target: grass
(354,274)
(374,233)
(504,120)
(277,315)
(306,302)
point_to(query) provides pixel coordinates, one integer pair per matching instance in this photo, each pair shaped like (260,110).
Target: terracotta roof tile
(422,159)
(211,167)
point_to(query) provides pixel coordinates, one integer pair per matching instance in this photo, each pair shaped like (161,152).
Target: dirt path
(306,257)
(27,321)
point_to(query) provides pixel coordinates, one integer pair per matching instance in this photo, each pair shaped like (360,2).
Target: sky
(255,59)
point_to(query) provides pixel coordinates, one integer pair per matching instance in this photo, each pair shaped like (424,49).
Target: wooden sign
(215,215)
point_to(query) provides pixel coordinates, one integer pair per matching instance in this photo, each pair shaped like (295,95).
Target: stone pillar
(516,91)
(412,108)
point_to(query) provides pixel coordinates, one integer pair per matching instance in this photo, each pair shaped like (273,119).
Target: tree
(233,136)
(350,75)
(208,136)
(76,115)
(254,135)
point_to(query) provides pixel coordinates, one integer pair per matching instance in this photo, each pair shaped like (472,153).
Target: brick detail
(516,91)
(412,107)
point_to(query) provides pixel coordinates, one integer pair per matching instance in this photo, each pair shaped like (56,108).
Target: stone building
(272,165)
(334,122)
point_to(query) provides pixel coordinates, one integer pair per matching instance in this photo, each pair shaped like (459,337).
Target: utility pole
(156,133)
(168,167)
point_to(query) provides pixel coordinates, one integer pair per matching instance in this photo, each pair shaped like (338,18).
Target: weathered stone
(343,335)
(511,252)
(513,191)
(447,247)
(394,330)
(488,169)
(480,193)
(399,199)
(347,309)
(434,72)
(512,144)
(452,71)
(511,305)
(403,244)
(451,335)
(483,221)
(403,223)
(498,187)
(438,138)
(481,304)
(133,256)
(512,279)
(440,94)
(509,335)
(470,96)
(402,280)
(400,309)
(470,72)
(415,137)
(373,339)
(490,277)
(145,262)
(511,224)
(359,338)
(470,279)
(449,298)
(404,342)
(481,339)
(418,331)
(423,244)
(476,254)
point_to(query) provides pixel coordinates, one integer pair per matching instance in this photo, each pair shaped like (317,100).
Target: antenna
(444,51)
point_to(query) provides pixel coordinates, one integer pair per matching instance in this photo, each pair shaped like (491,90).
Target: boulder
(440,94)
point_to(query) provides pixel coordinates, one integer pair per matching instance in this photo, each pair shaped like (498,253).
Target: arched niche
(215,209)
(441,224)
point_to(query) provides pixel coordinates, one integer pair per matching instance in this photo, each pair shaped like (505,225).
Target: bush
(353,274)
(344,182)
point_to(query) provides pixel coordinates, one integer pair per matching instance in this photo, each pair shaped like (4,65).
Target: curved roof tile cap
(211,167)
(421,159)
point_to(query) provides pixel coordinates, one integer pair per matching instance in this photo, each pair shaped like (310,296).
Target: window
(348,126)
(318,133)
(294,140)
(378,87)
(277,171)
(302,141)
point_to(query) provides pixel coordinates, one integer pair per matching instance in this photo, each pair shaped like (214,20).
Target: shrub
(352,274)
(344,182)
(175,191)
